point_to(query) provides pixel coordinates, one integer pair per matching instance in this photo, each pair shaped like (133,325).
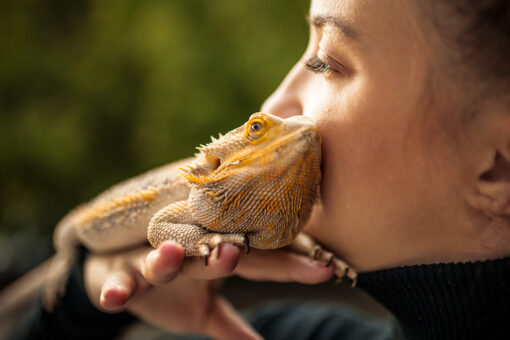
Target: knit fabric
(447,300)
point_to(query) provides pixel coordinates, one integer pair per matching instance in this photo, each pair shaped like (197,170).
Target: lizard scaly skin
(253,186)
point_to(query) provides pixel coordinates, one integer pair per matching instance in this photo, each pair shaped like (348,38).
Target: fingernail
(114,297)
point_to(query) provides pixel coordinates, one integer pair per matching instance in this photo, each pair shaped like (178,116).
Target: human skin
(178,295)
(400,157)
(415,168)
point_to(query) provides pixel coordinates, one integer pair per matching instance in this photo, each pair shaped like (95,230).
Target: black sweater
(446,300)
(440,301)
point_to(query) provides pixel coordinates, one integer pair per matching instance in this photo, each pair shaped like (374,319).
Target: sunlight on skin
(397,167)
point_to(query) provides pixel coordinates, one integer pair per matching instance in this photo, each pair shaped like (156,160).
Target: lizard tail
(17,297)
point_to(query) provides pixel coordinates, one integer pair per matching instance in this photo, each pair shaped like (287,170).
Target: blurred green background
(93,92)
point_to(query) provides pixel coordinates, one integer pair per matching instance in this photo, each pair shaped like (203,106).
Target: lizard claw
(205,252)
(247,244)
(342,270)
(218,247)
(214,241)
(330,261)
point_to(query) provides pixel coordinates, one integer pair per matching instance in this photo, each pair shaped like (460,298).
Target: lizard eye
(254,127)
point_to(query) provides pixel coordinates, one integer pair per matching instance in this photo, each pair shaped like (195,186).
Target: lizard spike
(214,140)
(192,178)
(186,169)
(220,135)
(202,148)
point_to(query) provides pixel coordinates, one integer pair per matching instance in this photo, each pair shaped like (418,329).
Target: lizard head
(262,174)
(263,140)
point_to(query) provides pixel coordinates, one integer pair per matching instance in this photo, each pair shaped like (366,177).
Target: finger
(221,262)
(117,290)
(163,264)
(224,322)
(282,266)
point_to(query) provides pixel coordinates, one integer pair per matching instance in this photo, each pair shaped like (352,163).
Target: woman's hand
(178,294)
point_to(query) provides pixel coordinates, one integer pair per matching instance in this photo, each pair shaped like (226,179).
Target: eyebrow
(322,20)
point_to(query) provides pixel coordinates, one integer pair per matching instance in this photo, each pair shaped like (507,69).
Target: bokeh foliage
(92,91)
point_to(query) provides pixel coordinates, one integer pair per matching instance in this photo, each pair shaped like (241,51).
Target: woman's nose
(287,99)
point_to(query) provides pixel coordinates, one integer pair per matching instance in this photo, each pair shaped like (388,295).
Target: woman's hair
(486,36)
(478,34)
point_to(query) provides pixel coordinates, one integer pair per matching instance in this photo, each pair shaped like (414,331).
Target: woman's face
(393,165)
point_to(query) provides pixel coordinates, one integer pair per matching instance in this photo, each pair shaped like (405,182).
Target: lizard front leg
(174,222)
(306,245)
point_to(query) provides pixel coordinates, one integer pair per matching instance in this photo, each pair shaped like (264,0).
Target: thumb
(224,322)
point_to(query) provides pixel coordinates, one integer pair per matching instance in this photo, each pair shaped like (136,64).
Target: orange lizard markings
(139,200)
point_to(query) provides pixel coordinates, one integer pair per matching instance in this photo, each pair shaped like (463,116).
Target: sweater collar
(446,300)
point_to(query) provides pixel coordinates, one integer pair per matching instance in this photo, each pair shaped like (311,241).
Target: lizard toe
(215,240)
(205,251)
(353,275)
(341,267)
(317,252)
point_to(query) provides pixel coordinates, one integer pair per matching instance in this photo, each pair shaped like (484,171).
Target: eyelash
(316,65)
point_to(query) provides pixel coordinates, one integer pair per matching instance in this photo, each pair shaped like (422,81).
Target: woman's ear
(492,193)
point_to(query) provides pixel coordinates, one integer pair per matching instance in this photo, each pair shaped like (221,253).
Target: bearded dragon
(253,187)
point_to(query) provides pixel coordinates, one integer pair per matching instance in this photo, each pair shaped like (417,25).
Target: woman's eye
(316,65)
